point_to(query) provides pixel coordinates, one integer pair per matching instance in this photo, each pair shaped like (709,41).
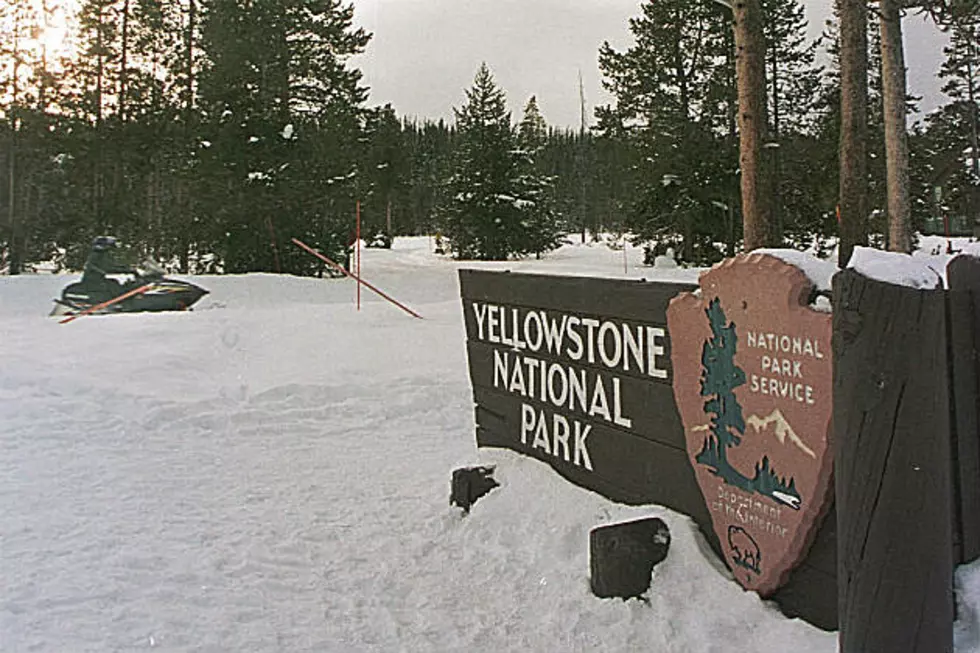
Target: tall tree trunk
(580,153)
(118,196)
(775,150)
(99,66)
(185,181)
(853,206)
(97,191)
(896,138)
(124,63)
(750,63)
(14,259)
(42,100)
(731,118)
(679,72)
(189,61)
(971,94)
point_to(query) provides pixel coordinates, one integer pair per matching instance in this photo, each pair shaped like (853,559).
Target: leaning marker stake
(92,309)
(356,278)
(357,240)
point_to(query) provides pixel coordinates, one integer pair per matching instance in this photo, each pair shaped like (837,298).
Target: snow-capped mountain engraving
(782,430)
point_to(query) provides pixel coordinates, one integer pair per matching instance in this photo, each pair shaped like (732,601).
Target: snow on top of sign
(822,304)
(819,271)
(923,272)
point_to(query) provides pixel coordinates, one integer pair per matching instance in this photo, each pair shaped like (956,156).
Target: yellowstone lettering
(613,345)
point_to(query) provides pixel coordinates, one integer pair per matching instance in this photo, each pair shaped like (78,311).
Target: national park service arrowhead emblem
(752,381)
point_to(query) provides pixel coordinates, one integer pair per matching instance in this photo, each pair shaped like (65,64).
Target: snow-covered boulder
(666,260)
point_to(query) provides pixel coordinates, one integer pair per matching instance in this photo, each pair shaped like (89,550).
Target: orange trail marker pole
(358,237)
(92,309)
(275,247)
(353,276)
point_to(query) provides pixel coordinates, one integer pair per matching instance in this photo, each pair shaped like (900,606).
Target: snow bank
(271,473)
(922,272)
(971,248)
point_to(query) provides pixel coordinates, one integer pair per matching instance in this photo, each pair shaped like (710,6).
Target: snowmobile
(148,288)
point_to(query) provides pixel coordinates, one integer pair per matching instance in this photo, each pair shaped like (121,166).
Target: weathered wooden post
(963,275)
(893,467)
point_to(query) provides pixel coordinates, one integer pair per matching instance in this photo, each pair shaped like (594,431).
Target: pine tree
(534,195)
(872,182)
(532,131)
(675,107)
(793,74)
(430,146)
(486,213)
(609,190)
(961,75)
(951,12)
(945,188)
(286,127)
(386,171)
(793,107)
(99,74)
(28,130)
(720,376)
(123,142)
(17,20)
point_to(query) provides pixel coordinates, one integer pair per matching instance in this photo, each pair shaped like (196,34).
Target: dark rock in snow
(469,484)
(622,556)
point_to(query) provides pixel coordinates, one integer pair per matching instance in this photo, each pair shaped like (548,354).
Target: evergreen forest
(208,133)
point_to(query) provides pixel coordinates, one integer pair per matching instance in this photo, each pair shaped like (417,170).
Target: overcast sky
(425,52)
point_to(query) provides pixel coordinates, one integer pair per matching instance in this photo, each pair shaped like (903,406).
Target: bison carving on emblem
(745,551)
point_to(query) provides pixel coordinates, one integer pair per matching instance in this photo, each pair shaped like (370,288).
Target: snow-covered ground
(271,473)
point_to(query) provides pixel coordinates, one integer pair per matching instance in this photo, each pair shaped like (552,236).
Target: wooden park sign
(582,374)
(753,379)
(576,372)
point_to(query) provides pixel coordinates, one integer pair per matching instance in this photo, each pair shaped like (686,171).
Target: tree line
(208,133)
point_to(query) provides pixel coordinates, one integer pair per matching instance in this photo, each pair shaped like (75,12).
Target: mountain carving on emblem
(782,429)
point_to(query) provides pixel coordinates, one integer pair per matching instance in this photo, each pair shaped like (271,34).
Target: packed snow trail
(271,473)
